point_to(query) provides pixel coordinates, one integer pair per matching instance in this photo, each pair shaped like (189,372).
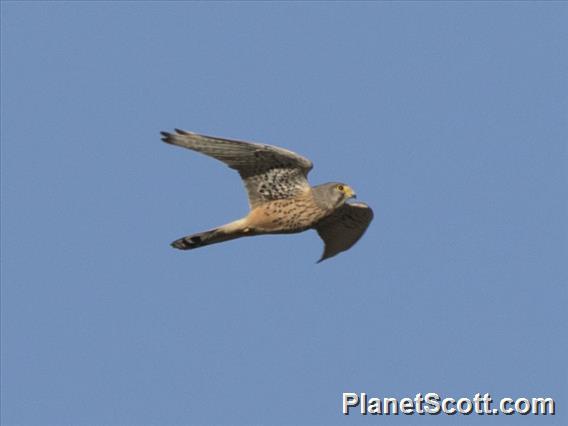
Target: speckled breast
(286,216)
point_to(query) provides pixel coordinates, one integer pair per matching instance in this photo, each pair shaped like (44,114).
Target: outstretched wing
(268,172)
(342,229)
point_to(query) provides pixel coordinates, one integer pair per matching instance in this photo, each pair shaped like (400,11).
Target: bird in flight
(280,198)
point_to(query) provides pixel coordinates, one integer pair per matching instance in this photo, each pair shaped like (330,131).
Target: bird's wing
(268,172)
(343,228)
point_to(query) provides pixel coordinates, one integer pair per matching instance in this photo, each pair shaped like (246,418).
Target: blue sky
(449,119)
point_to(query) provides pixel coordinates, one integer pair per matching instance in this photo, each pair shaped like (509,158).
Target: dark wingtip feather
(166,137)
(181,132)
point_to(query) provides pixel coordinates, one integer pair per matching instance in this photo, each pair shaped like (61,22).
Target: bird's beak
(350,193)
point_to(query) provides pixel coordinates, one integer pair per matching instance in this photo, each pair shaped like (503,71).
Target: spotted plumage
(281,199)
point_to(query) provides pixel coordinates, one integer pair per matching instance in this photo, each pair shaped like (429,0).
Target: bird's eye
(340,187)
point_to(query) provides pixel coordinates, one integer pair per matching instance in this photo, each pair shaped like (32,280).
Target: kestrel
(281,199)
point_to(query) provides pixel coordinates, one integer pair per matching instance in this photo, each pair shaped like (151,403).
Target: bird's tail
(218,235)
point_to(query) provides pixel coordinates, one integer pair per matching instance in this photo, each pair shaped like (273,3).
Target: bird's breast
(285,216)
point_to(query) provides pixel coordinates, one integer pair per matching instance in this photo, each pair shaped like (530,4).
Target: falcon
(280,198)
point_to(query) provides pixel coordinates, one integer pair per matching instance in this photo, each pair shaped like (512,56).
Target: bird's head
(333,194)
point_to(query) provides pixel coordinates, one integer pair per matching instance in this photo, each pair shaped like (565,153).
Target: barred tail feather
(218,235)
